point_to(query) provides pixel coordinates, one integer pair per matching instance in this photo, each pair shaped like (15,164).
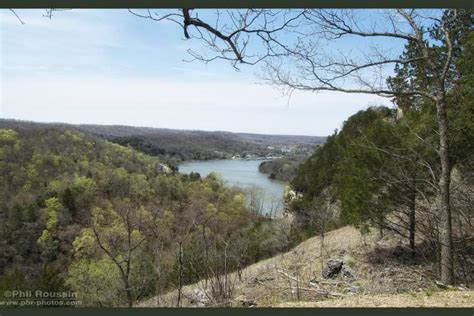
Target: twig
(17,16)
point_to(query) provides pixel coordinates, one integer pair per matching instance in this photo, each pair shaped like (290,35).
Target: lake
(264,195)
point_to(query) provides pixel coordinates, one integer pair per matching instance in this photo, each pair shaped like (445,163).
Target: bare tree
(118,235)
(228,34)
(366,73)
(256,200)
(17,16)
(182,233)
(298,51)
(309,62)
(321,217)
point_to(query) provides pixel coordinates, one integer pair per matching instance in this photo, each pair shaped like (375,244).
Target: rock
(441,285)
(333,267)
(353,290)
(462,287)
(388,272)
(347,271)
(199,298)
(247,302)
(257,280)
(398,251)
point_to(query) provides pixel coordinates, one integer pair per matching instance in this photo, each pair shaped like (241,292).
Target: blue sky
(110,67)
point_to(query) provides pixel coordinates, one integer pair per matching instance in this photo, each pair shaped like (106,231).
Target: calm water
(245,174)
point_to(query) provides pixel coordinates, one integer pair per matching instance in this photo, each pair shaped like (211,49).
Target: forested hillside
(284,168)
(87,215)
(174,146)
(383,207)
(381,170)
(407,170)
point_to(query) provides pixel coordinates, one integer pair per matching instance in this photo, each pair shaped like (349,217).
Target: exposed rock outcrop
(332,269)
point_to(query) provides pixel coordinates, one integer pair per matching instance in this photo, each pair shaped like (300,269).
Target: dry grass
(422,299)
(294,278)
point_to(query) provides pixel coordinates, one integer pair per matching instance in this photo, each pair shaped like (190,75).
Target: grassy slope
(437,299)
(293,279)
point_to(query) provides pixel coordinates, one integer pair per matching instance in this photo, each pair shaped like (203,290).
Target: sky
(110,67)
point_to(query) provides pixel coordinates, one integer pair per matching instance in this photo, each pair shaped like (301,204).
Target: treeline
(383,170)
(283,169)
(83,214)
(175,146)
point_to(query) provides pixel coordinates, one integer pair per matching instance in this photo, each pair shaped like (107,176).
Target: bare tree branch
(17,16)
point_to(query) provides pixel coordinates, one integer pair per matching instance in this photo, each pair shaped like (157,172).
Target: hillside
(284,168)
(377,276)
(173,146)
(77,211)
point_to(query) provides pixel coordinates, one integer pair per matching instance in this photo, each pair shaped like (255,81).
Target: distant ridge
(118,130)
(173,146)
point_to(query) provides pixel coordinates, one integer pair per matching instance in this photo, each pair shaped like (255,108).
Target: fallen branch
(288,275)
(321,292)
(336,283)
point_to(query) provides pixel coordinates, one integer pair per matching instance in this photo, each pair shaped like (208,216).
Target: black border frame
(236,3)
(120,4)
(230,311)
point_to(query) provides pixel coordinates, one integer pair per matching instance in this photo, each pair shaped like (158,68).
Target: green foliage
(96,281)
(173,146)
(342,170)
(380,165)
(461,105)
(84,185)
(194,176)
(8,135)
(103,219)
(48,241)
(368,166)
(283,169)
(68,201)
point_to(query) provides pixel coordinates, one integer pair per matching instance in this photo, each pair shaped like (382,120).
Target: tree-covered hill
(380,171)
(284,168)
(174,146)
(407,170)
(83,214)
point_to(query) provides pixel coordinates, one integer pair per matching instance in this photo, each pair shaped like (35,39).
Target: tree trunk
(206,251)
(412,232)
(128,290)
(321,248)
(180,273)
(447,267)
(225,271)
(411,219)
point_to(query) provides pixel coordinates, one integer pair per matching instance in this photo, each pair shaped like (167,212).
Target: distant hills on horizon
(176,145)
(124,130)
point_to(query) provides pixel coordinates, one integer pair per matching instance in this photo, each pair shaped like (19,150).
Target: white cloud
(108,67)
(70,42)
